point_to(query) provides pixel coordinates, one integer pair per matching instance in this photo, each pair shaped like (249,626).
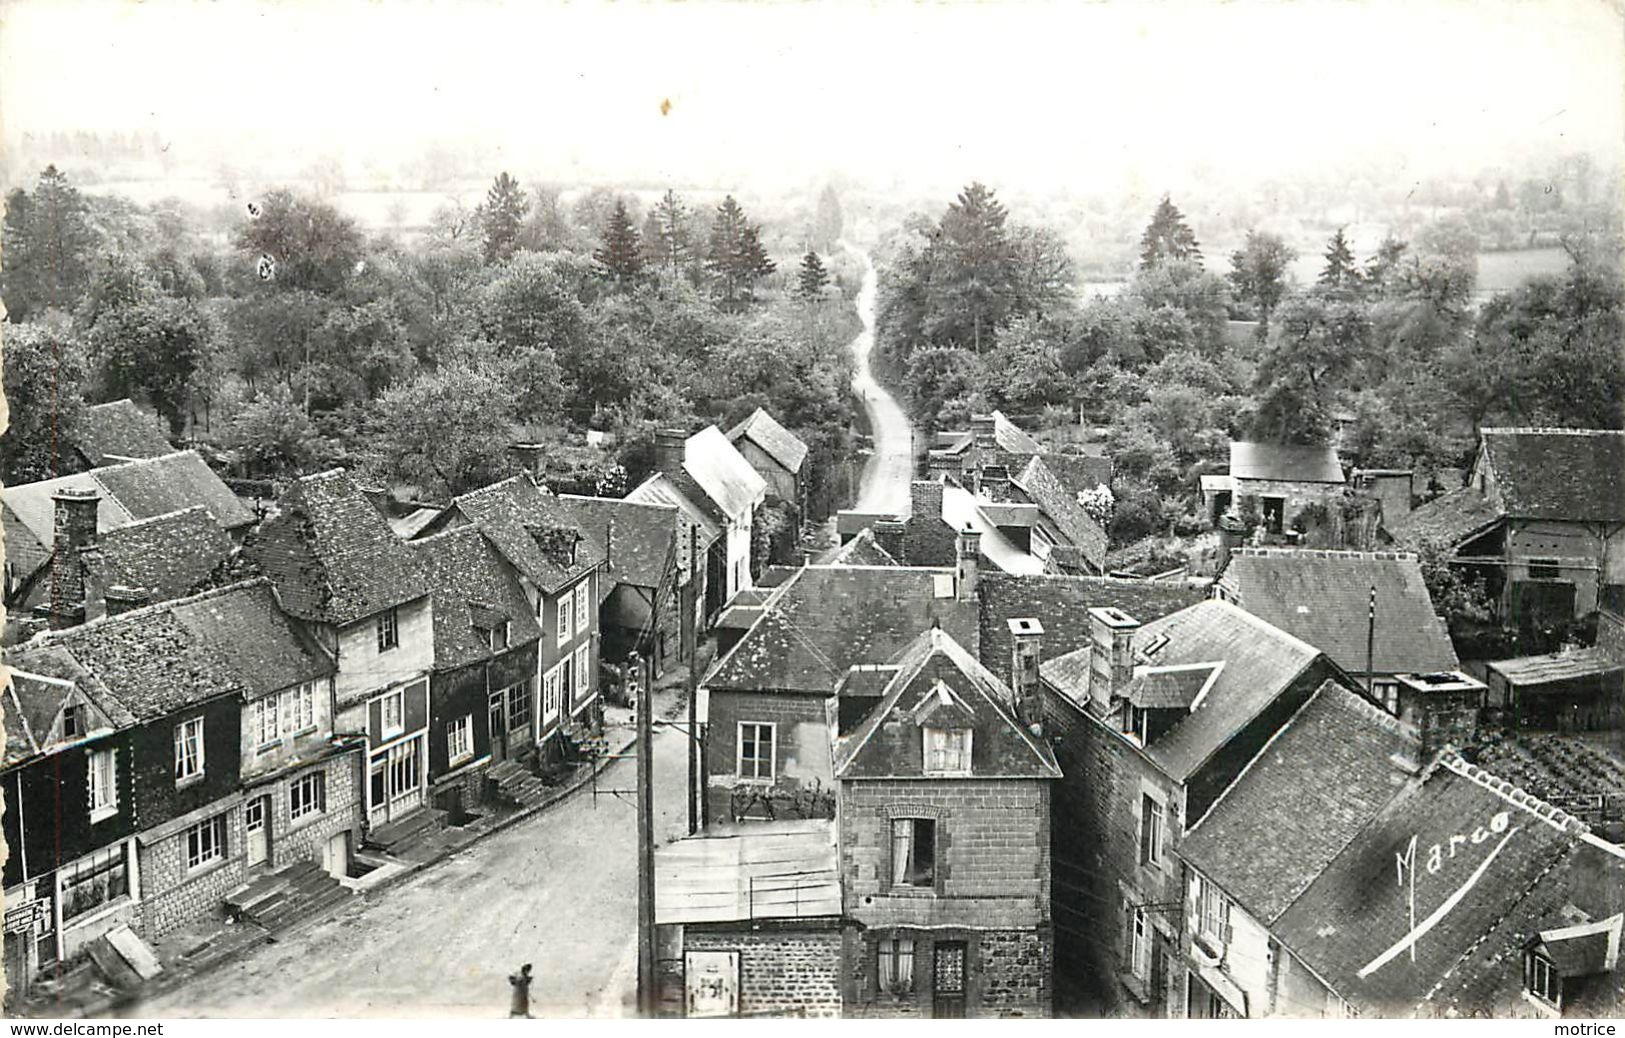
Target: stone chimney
(1232,535)
(122,598)
(925,500)
(669,448)
(73,528)
(940,464)
(981,428)
(1443,708)
(528,457)
(970,551)
(1026,639)
(1111,656)
(996,482)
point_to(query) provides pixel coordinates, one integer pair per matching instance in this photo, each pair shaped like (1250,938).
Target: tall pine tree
(813,277)
(1167,237)
(1341,273)
(502,218)
(48,243)
(620,258)
(974,268)
(672,245)
(734,256)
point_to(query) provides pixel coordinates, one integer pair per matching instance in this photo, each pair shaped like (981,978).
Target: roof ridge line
(60,637)
(1551,814)
(1547,430)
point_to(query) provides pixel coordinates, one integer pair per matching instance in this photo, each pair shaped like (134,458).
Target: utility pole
(693,705)
(646,842)
(1370,645)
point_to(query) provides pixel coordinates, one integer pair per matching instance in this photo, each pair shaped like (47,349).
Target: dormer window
(389,634)
(947,751)
(1541,980)
(73,723)
(498,635)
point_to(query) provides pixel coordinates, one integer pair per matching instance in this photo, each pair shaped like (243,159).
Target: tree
(1317,344)
(158,348)
(1382,271)
(273,435)
(447,430)
(45,376)
(306,245)
(620,258)
(1340,273)
(828,222)
(1168,237)
(813,278)
(502,218)
(1259,272)
(1464,602)
(734,257)
(973,270)
(1044,279)
(48,243)
(672,246)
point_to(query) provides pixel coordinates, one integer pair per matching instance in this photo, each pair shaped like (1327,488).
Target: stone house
(766,730)
(1280,480)
(560,568)
(644,609)
(486,639)
(1541,519)
(363,594)
(778,456)
(1155,722)
(1344,602)
(944,842)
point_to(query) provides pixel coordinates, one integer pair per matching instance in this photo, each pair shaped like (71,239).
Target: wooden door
(948,980)
(499,728)
(257,826)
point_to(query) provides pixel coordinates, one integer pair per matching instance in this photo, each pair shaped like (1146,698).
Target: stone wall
(794,970)
(306,839)
(1007,973)
(801,750)
(172,896)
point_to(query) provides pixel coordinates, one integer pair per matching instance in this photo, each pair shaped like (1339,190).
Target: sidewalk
(215,942)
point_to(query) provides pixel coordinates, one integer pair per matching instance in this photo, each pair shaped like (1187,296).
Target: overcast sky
(1073,93)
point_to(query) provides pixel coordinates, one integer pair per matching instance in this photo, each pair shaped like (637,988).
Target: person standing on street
(521,992)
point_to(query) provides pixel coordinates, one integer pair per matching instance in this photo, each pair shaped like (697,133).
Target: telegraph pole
(1370,645)
(646,842)
(693,695)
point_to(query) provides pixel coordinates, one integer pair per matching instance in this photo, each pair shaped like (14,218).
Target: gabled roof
(824,619)
(722,473)
(960,509)
(1313,788)
(782,445)
(1530,672)
(1324,598)
(683,495)
(169,555)
(1584,949)
(641,545)
(1479,848)
(333,558)
(770,870)
(1290,463)
(1062,605)
(934,674)
(1078,526)
(534,530)
(1260,661)
(862,550)
(1570,474)
(1447,520)
(1079,472)
(119,431)
(1010,437)
(473,590)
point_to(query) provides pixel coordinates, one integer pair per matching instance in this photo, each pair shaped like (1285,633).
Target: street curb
(176,979)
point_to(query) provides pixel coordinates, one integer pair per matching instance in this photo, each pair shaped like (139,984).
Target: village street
(558,890)
(886,477)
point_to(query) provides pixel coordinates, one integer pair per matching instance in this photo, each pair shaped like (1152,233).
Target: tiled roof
(1260,661)
(1000,746)
(1064,511)
(661,489)
(1553,667)
(533,529)
(722,473)
(827,618)
(30,705)
(169,555)
(1571,474)
(1323,777)
(1324,598)
(862,550)
(119,431)
(782,445)
(643,544)
(158,486)
(1011,438)
(471,584)
(1062,605)
(1079,472)
(333,558)
(1477,852)
(163,658)
(1447,520)
(1290,463)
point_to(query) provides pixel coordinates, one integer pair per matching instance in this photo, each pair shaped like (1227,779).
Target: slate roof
(782,445)
(1260,661)
(169,555)
(1079,472)
(1313,788)
(1011,438)
(722,473)
(1292,463)
(1576,475)
(119,431)
(1000,746)
(1447,520)
(1062,605)
(827,618)
(1078,526)
(521,519)
(472,584)
(1324,598)
(333,558)
(30,706)
(662,489)
(1350,924)
(770,870)
(1170,688)
(163,658)
(863,550)
(644,541)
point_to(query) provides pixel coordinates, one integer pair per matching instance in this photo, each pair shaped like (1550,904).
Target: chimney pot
(1111,657)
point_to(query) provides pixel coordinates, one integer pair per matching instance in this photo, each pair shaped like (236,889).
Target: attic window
(947,751)
(1540,978)
(73,724)
(498,635)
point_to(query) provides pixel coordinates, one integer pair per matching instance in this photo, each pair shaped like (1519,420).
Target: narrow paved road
(884,487)
(558,890)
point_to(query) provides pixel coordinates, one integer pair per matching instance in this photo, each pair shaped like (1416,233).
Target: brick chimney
(1443,708)
(925,500)
(528,457)
(669,448)
(940,464)
(1111,657)
(970,551)
(73,528)
(996,482)
(981,428)
(121,598)
(1026,639)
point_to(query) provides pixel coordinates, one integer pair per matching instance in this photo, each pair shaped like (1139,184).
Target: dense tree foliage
(502,218)
(1168,237)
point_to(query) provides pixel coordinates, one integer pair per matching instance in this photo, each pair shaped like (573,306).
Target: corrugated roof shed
(1290,463)
(1576,475)
(771,870)
(1553,667)
(119,431)
(782,445)
(1324,598)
